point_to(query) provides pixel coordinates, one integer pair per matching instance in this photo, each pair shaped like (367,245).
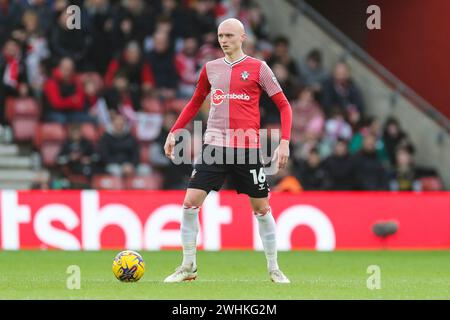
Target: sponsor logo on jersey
(218,96)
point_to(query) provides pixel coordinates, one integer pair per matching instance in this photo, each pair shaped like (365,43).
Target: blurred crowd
(132,65)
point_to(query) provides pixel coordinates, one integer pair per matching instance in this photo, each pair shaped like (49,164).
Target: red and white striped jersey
(235,90)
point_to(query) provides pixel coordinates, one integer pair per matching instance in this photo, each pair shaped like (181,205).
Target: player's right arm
(189,112)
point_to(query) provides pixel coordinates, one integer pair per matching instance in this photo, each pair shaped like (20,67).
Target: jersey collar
(236,62)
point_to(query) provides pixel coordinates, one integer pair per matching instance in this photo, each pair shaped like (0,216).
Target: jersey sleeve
(268,81)
(193,106)
(285,109)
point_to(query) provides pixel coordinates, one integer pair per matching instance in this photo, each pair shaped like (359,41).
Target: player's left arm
(285,109)
(270,84)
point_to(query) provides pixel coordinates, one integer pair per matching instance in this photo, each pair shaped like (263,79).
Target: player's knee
(261,210)
(190,203)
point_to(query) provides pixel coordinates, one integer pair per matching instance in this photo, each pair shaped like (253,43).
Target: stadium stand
(139,59)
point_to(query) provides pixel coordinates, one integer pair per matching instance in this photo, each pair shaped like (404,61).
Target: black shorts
(246,171)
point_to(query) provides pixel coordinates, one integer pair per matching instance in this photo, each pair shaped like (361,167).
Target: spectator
(200,20)
(312,71)
(289,83)
(339,167)
(77,154)
(170,11)
(285,180)
(187,68)
(335,128)
(404,176)
(249,47)
(372,127)
(282,56)
(13,80)
(355,120)
(209,50)
(308,118)
(133,21)
(231,9)
(164,26)
(311,173)
(132,66)
(119,150)
(5,21)
(119,99)
(176,38)
(175,176)
(269,112)
(257,25)
(99,15)
(341,91)
(41,7)
(393,137)
(37,51)
(95,103)
(64,95)
(72,43)
(162,60)
(369,173)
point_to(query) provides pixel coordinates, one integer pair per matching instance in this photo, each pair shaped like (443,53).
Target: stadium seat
(107,182)
(49,132)
(49,153)
(89,132)
(23,115)
(24,129)
(22,107)
(48,140)
(150,182)
(9,108)
(431,184)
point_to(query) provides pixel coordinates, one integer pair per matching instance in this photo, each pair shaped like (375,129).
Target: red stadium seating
(89,132)
(9,108)
(107,182)
(150,182)
(22,107)
(431,184)
(24,129)
(48,139)
(50,132)
(23,115)
(49,152)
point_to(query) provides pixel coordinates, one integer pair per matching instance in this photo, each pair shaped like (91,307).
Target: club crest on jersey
(245,75)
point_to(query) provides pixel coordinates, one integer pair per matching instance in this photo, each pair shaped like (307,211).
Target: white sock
(267,232)
(189,231)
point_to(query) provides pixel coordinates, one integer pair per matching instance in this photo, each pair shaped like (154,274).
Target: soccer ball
(128,266)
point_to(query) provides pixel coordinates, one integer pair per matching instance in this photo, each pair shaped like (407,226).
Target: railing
(352,49)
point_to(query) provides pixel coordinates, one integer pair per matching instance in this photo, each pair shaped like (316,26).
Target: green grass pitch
(230,275)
